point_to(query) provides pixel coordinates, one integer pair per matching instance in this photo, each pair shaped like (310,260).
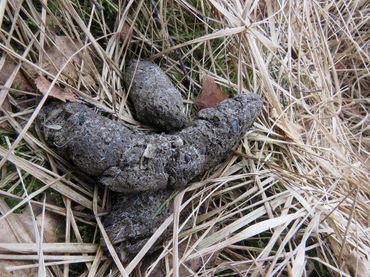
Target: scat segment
(156,100)
(134,218)
(127,160)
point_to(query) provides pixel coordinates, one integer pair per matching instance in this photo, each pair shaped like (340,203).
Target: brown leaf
(357,264)
(210,95)
(57,56)
(7,236)
(43,85)
(126,33)
(20,81)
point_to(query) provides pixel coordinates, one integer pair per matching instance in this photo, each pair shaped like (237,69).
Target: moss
(87,232)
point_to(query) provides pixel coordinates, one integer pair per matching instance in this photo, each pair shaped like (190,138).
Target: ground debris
(20,82)
(43,85)
(66,54)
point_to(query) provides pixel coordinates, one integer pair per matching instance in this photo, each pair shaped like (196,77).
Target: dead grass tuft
(292,201)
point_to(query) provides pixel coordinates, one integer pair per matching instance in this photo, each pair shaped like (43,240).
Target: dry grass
(292,201)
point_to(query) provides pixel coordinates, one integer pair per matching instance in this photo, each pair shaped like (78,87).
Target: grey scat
(64,144)
(234,125)
(213,138)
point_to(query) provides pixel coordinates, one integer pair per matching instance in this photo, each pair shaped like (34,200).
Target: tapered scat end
(238,113)
(252,104)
